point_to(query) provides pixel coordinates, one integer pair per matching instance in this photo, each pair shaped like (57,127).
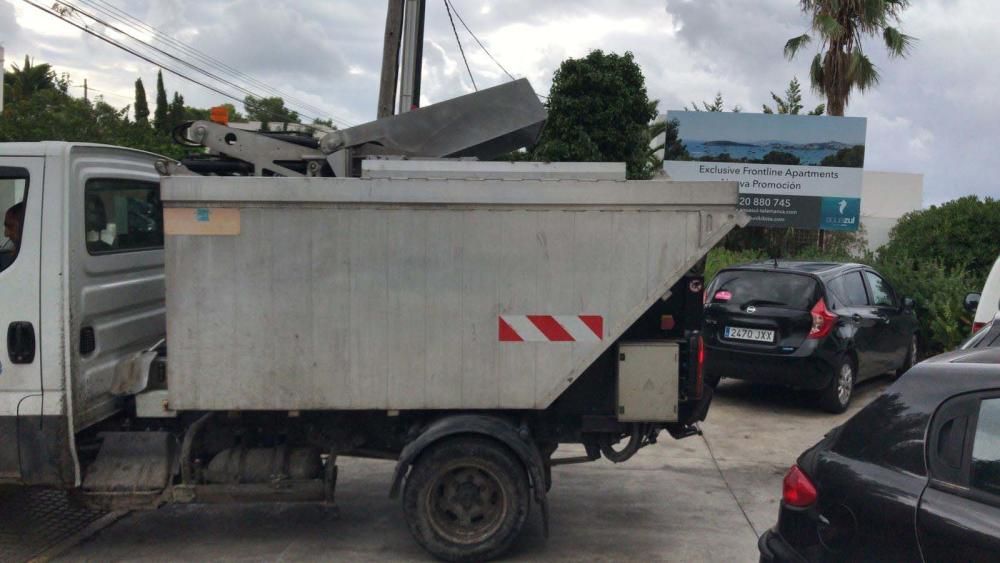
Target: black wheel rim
(467,503)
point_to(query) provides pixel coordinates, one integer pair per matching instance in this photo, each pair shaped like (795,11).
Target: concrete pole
(413,51)
(390,58)
(1,79)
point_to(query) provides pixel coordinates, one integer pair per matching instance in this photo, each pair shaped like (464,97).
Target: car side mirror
(908,304)
(971,302)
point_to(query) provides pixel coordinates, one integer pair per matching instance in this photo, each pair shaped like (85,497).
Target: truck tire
(466,499)
(837,395)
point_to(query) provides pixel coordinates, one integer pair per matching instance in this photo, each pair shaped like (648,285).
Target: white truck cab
(81,288)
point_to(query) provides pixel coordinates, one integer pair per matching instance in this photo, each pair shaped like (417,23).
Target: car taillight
(976,327)
(797,490)
(822,320)
(700,367)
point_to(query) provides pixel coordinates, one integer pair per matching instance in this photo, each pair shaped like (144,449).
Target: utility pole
(390,58)
(85,90)
(413,54)
(2,71)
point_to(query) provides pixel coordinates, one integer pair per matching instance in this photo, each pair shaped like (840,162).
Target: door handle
(21,342)
(856,318)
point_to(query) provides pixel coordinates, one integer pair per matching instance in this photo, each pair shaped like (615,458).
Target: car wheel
(911,358)
(837,396)
(466,499)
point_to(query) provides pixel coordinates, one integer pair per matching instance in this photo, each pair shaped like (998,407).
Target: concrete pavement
(669,502)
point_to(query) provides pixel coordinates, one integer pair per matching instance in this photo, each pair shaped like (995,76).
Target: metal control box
(648,381)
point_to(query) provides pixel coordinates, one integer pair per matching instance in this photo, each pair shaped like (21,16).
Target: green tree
(160,122)
(324,122)
(25,80)
(715,106)
(961,233)
(791,104)
(175,112)
(841,66)
(141,106)
(672,147)
(780,157)
(233,114)
(851,157)
(267,110)
(599,111)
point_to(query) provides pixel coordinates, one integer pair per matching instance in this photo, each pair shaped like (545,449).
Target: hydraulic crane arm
(481,125)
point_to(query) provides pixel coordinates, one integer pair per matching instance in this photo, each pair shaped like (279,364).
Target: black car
(818,326)
(914,476)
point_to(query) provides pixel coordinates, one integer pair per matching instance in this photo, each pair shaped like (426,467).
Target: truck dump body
(415,293)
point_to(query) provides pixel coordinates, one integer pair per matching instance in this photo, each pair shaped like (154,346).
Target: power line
(92,89)
(80,11)
(124,17)
(87,30)
(480,43)
(460,49)
(158,50)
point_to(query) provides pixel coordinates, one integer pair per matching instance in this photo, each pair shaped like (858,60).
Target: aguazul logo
(840,213)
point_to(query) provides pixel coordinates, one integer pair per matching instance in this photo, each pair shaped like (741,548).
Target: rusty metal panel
(391,293)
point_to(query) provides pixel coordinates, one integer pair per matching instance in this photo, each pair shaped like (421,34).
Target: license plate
(752,334)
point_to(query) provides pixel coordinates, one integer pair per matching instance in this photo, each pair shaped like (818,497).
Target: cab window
(122,216)
(13,192)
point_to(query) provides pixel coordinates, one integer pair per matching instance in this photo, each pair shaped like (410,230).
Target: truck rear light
(976,327)
(822,320)
(797,490)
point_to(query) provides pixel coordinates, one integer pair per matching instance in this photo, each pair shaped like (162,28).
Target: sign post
(801,171)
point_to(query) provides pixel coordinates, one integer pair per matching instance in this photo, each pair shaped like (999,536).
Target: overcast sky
(934,113)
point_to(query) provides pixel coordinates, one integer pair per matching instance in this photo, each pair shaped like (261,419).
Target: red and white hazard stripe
(551,328)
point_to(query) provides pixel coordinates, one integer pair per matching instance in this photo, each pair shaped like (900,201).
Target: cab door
(21,392)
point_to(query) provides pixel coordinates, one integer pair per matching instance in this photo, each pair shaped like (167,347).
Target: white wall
(885,197)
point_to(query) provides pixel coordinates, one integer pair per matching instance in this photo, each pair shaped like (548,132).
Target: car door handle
(856,318)
(21,342)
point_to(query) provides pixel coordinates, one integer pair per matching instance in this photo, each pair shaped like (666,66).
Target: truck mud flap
(34,450)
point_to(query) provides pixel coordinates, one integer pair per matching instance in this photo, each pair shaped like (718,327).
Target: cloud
(933,112)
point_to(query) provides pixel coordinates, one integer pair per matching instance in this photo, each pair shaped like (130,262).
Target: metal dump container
(406,291)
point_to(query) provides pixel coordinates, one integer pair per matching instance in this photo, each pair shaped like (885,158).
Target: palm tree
(841,66)
(25,81)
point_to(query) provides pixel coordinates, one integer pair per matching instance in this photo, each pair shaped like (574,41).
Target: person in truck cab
(12,221)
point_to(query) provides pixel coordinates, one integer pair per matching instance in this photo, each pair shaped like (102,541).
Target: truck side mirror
(908,304)
(971,302)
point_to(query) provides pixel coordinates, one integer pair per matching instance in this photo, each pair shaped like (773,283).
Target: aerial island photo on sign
(801,171)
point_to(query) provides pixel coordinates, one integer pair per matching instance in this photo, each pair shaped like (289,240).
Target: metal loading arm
(483,124)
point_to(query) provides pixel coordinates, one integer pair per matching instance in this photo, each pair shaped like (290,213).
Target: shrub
(719,258)
(938,292)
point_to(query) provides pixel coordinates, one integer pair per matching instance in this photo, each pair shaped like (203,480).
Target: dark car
(914,476)
(818,326)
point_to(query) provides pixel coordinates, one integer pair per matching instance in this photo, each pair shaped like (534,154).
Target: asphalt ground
(704,498)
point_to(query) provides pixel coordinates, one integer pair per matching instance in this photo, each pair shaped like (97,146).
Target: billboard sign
(801,171)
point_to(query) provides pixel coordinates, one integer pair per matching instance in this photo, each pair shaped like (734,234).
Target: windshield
(751,287)
(13,186)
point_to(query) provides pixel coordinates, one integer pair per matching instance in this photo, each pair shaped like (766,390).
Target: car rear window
(745,287)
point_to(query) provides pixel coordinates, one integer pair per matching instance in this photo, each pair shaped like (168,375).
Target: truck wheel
(466,499)
(837,395)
